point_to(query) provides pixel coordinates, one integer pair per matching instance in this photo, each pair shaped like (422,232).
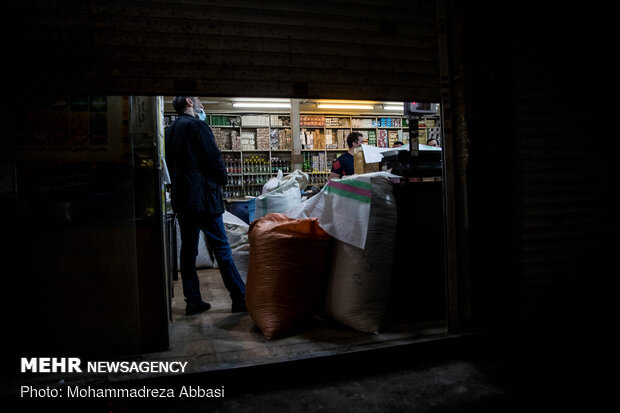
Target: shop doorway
(308,138)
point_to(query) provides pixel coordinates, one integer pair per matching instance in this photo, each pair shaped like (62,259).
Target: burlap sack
(289,261)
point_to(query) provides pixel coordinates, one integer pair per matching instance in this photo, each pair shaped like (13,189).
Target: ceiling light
(329,106)
(260,105)
(392,107)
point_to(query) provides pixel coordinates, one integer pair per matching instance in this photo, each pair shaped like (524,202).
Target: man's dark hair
(179,103)
(353,136)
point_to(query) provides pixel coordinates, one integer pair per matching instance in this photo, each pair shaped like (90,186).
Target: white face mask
(200,114)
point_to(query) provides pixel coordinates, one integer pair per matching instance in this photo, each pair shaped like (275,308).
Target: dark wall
(535,162)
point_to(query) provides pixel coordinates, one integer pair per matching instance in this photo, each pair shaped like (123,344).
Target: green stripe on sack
(357,183)
(347,194)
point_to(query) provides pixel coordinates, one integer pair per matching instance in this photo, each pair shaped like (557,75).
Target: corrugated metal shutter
(531,194)
(355,49)
(535,163)
(567,223)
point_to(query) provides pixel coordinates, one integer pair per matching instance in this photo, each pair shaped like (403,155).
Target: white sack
(342,207)
(359,282)
(203,260)
(285,196)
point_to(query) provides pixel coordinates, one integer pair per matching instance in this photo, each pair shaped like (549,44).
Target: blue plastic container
(242,208)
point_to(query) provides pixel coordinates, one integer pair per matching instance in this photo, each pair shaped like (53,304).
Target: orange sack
(289,264)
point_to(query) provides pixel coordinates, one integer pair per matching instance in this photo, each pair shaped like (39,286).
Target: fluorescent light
(392,107)
(327,106)
(260,105)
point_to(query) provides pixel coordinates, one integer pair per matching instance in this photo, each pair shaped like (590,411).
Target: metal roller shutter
(330,49)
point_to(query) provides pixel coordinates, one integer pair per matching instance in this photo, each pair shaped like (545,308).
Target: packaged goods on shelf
(278,120)
(312,139)
(274,138)
(262,138)
(405,137)
(382,139)
(329,140)
(342,139)
(278,164)
(235,141)
(255,120)
(363,123)
(372,138)
(389,122)
(285,138)
(248,141)
(392,137)
(337,122)
(311,120)
(319,140)
(220,120)
(223,138)
(336,138)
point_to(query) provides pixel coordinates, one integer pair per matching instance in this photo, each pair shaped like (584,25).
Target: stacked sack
(283,289)
(280,194)
(359,282)
(349,283)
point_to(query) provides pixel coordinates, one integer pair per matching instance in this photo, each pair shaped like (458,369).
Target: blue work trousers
(191,223)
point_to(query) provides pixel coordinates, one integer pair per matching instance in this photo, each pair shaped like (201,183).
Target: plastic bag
(272,183)
(285,196)
(283,288)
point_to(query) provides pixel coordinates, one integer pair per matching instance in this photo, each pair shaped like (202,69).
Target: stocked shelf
(256,145)
(329,132)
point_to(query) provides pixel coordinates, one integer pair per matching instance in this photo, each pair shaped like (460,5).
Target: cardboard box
(360,165)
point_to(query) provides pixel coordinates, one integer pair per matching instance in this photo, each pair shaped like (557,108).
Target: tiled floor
(219,339)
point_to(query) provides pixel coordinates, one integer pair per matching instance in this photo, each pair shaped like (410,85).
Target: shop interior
(255,136)
(86,176)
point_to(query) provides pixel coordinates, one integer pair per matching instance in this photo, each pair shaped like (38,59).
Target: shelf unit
(255,145)
(429,128)
(323,137)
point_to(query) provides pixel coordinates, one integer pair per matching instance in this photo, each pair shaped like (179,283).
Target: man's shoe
(191,309)
(239,307)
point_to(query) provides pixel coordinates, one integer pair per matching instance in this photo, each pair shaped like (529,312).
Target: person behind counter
(198,173)
(397,144)
(433,142)
(344,164)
